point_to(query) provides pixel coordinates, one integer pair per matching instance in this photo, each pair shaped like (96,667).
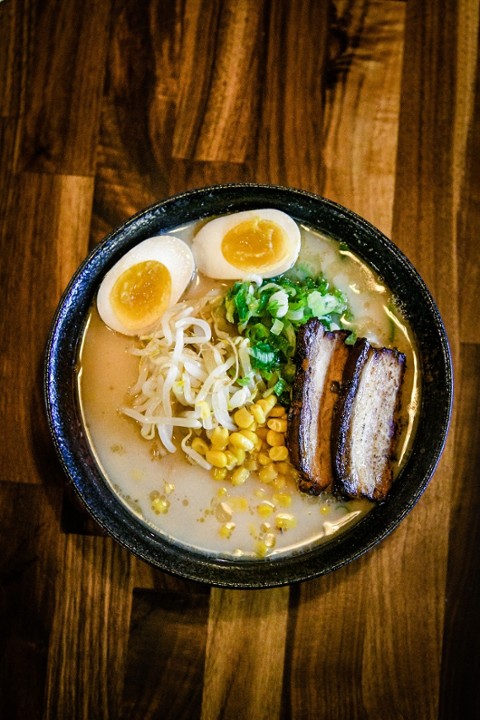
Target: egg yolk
(254,245)
(141,294)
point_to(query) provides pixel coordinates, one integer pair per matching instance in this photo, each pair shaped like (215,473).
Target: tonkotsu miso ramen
(249,386)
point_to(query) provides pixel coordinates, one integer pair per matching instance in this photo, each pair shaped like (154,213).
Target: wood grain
(106,107)
(245,654)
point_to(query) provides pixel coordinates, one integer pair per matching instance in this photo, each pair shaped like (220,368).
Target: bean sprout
(188,375)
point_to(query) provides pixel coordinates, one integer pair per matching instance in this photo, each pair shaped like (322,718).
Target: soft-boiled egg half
(253,242)
(146,281)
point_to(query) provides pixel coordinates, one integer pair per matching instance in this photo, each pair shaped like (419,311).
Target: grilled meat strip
(320,358)
(365,421)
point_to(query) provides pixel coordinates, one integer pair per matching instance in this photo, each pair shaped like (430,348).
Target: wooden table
(110,105)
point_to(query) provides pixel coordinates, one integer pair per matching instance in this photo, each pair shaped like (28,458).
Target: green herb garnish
(269,315)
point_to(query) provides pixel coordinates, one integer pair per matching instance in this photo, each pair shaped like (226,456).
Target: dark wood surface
(109,105)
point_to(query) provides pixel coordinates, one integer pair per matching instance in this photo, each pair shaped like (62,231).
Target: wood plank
(289,145)
(219,64)
(168,635)
(134,151)
(50,216)
(469,201)
(460,692)
(245,654)
(15,29)
(28,538)
(362,105)
(64,86)
(88,643)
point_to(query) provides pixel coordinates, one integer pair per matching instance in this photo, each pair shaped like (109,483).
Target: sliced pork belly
(320,358)
(365,421)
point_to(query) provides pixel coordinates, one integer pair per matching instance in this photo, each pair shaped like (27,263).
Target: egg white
(207,245)
(172,252)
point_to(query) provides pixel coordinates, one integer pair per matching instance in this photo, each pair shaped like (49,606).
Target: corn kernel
(285,521)
(258,413)
(239,504)
(239,454)
(237,439)
(219,438)
(160,505)
(267,404)
(227,529)
(217,458)
(240,476)
(199,445)
(243,418)
(283,498)
(265,508)
(277,424)
(219,473)
(263,458)
(252,436)
(275,438)
(223,512)
(278,453)
(279,482)
(262,432)
(277,411)
(267,473)
(251,464)
(284,467)
(232,460)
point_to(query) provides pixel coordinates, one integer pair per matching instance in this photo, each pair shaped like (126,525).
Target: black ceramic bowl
(72,444)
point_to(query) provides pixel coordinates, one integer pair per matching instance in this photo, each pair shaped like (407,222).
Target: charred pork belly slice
(365,421)
(320,359)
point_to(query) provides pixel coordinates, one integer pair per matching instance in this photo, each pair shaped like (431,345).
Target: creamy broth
(195,508)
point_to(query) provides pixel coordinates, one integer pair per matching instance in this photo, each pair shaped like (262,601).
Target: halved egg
(146,281)
(262,242)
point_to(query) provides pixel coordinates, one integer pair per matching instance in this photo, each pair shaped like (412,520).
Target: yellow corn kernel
(284,467)
(243,418)
(199,445)
(239,454)
(258,413)
(227,529)
(275,439)
(239,504)
(160,505)
(285,521)
(267,473)
(219,473)
(278,411)
(251,464)
(277,424)
(217,458)
(263,546)
(219,438)
(262,432)
(265,508)
(257,441)
(267,404)
(240,476)
(283,498)
(238,439)
(279,482)
(278,453)
(263,459)
(232,459)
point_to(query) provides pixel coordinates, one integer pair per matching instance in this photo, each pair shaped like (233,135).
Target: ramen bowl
(163,542)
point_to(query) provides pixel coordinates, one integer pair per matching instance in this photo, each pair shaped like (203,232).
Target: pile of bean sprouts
(192,375)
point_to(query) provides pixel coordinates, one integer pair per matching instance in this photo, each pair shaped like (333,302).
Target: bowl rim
(72,445)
